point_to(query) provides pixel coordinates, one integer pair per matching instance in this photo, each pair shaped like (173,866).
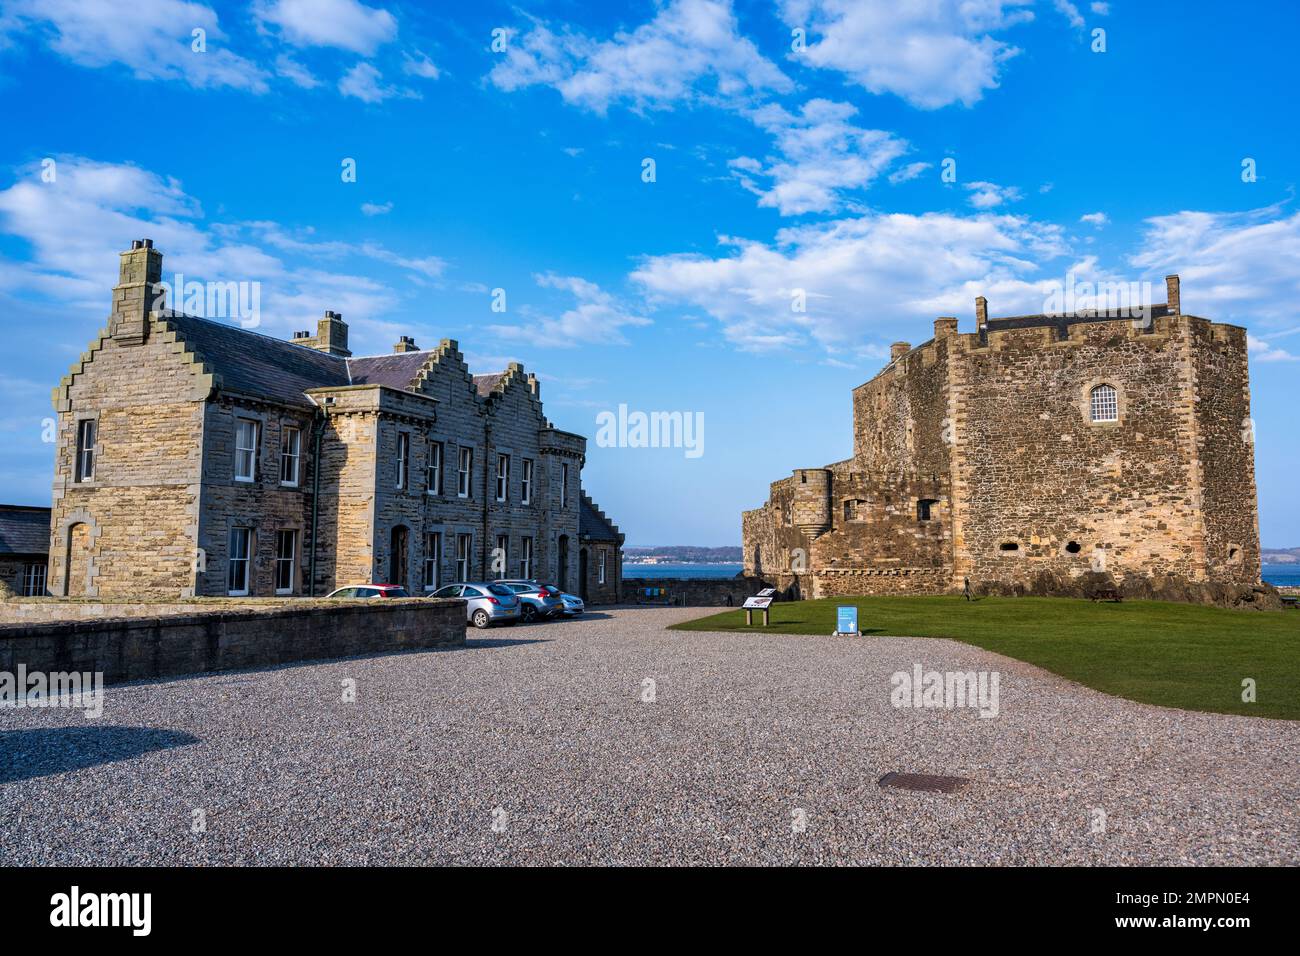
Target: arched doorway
(397,559)
(563,571)
(77,560)
(582,574)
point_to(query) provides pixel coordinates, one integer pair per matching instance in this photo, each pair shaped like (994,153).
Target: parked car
(369,591)
(541,602)
(485,604)
(573,605)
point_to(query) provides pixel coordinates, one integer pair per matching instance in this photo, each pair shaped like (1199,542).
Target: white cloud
(295,72)
(75,227)
(419,65)
(692,49)
(376,209)
(908,173)
(1096,219)
(1070,12)
(1262,351)
(857,274)
(991,195)
(931,53)
(345,24)
(597,317)
(151,37)
(821,154)
(365,83)
(1235,267)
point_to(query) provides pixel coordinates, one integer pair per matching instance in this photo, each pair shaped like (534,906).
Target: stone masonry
(184,442)
(1039,454)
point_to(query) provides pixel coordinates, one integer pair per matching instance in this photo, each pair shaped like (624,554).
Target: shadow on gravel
(471,642)
(26,754)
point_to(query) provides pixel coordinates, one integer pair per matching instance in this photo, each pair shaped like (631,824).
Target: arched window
(1104,404)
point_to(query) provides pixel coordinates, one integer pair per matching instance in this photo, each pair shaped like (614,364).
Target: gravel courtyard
(534,745)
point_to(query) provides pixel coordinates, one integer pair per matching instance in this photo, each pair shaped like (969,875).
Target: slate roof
(24,530)
(593,525)
(485,383)
(260,365)
(396,370)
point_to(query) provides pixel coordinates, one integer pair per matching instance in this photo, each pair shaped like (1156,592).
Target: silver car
(573,605)
(485,604)
(539,602)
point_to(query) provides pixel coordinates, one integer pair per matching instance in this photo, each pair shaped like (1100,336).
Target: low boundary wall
(193,639)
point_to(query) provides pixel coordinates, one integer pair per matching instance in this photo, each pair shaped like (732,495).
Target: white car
(573,606)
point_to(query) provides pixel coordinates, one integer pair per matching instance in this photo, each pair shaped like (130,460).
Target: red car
(369,591)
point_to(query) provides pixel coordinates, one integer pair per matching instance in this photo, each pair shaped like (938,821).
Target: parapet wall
(195,637)
(693,592)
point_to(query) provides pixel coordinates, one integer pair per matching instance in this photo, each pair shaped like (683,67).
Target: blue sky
(775,169)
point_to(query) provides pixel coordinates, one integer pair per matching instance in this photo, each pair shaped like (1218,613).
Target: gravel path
(534,745)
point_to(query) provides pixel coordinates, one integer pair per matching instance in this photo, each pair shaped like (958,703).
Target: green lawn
(1176,655)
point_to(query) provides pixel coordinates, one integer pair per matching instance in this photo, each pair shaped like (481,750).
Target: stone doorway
(397,557)
(563,570)
(77,563)
(582,574)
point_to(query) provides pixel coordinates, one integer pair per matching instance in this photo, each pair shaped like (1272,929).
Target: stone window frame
(527,471)
(527,556)
(96,448)
(600,567)
(435,486)
(468,537)
(502,543)
(33,578)
(1121,402)
(259,431)
(402,454)
(925,509)
(501,492)
(286,426)
(564,485)
(468,493)
(248,559)
(295,563)
(433,557)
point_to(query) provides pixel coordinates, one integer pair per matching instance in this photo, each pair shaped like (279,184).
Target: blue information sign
(846,620)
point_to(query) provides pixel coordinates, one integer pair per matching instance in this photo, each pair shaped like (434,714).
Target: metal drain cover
(924,782)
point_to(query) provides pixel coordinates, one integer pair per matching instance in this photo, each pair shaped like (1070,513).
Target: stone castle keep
(1039,454)
(198,458)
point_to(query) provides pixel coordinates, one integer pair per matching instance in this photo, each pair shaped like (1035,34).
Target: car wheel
(481,619)
(529,613)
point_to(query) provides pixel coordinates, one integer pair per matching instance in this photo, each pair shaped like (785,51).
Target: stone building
(24,549)
(1037,454)
(196,457)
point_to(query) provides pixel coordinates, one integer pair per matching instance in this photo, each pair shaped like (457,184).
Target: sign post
(846,621)
(753,604)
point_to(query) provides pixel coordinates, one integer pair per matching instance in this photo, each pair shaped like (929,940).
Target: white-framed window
(246,430)
(286,560)
(1103,403)
(600,566)
(501,556)
(526,486)
(84,466)
(290,455)
(564,484)
(433,471)
(432,560)
(503,477)
(464,466)
(240,549)
(464,545)
(33,582)
(403,458)
(526,558)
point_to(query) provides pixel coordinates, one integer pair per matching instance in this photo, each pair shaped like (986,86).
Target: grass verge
(1175,655)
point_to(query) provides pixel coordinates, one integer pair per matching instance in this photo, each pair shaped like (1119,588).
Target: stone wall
(196,638)
(693,592)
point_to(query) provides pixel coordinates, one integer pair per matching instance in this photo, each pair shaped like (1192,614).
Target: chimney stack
(981,313)
(898,350)
(944,326)
(136,293)
(1173,296)
(331,335)
(405,344)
